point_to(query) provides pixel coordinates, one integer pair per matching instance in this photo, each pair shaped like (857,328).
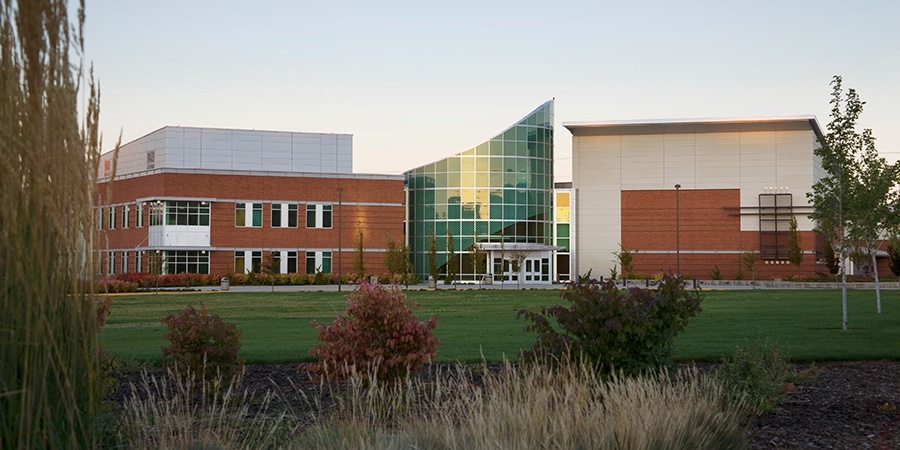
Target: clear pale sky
(418,81)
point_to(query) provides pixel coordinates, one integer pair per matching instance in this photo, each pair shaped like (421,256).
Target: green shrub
(760,374)
(380,334)
(619,330)
(715,274)
(202,344)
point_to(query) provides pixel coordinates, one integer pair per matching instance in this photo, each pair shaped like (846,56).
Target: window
(156,213)
(100,212)
(291,262)
(111,263)
(138,263)
(112,218)
(139,219)
(318,262)
(124,262)
(187,213)
(125,210)
(180,261)
(248,214)
(241,258)
(284,215)
(318,216)
(239,264)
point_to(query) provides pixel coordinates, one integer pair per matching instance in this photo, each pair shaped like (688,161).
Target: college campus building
(691,196)
(218,201)
(684,196)
(494,201)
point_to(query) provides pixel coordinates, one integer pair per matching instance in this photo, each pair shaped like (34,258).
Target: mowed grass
(482,323)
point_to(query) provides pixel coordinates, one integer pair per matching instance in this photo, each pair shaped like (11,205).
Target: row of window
(192,261)
(281,261)
(284,215)
(194,213)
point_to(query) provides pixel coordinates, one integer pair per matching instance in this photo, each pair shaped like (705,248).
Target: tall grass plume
(48,342)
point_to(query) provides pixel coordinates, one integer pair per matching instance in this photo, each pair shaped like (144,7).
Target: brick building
(217,201)
(694,195)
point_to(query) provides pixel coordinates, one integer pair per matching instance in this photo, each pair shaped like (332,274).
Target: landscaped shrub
(619,330)
(202,344)
(380,334)
(761,375)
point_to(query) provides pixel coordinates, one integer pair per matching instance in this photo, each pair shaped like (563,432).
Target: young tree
(452,259)
(479,260)
(432,257)
(517,258)
(795,250)
(894,255)
(748,260)
(359,255)
(873,196)
(837,196)
(271,267)
(396,259)
(625,259)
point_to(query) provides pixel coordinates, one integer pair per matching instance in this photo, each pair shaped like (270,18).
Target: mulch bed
(851,405)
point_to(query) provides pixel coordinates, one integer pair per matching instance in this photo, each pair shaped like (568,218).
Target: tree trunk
(877,281)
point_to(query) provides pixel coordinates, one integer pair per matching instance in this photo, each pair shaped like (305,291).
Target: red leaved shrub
(380,335)
(202,344)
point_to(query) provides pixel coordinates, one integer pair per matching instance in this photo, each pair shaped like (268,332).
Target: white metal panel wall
(597,176)
(225,149)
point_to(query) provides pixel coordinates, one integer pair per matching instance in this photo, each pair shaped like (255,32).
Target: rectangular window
(318,262)
(318,216)
(125,209)
(248,214)
(139,218)
(284,215)
(291,262)
(239,264)
(124,262)
(157,209)
(182,261)
(112,218)
(138,263)
(187,213)
(256,262)
(100,212)
(111,263)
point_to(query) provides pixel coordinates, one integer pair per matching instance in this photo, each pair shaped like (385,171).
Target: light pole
(677,232)
(340,191)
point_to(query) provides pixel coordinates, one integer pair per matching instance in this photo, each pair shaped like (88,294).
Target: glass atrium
(498,194)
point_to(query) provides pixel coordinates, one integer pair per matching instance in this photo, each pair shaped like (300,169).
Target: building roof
(702,125)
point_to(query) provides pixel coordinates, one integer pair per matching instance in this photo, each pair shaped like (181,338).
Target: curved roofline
(542,105)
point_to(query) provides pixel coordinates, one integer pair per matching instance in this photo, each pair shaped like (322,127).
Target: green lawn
(471,323)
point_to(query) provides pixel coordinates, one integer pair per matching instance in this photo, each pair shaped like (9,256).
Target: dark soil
(851,405)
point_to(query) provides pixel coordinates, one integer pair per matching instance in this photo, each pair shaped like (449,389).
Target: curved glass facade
(500,190)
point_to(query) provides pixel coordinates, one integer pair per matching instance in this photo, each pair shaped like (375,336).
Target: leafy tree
(452,259)
(479,259)
(748,260)
(839,198)
(432,257)
(396,259)
(517,258)
(625,259)
(871,212)
(795,250)
(358,257)
(894,255)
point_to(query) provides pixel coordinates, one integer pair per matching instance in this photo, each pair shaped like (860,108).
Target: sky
(415,82)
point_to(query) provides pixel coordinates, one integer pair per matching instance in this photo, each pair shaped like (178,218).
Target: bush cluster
(202,345)
(380,336)
(761,376)
(619,330)
(145,280)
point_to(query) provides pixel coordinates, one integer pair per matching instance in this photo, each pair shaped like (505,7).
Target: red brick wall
(708,224)
(373,217)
